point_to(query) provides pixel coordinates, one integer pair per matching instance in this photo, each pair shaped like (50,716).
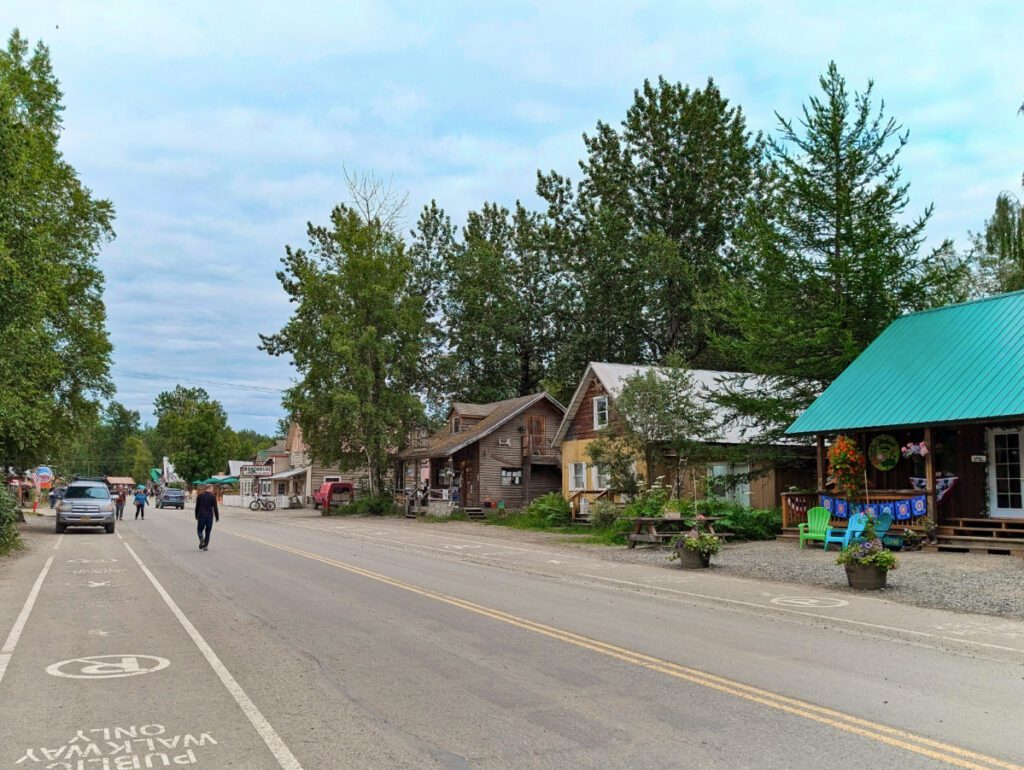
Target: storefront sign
(256,470)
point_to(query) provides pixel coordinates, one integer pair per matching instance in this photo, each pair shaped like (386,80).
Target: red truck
(333,493)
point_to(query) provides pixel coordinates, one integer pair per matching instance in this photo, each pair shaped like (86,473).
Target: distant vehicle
(86,503)
(333,493)
(171,498)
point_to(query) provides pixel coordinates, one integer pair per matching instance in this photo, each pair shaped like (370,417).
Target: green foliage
(651,501)
(829,254)
(614,455)
(367,505)
(356,337)
(192,429)
(552,508)
(604,514)
(10,538)
(871,552)
(497,293)
(56,353)
(744,523)
(1000,247)
(702,542)
(645,235)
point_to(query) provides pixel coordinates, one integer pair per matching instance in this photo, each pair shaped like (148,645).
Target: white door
(1004,474)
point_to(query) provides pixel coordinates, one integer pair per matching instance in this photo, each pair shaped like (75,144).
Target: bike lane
(103,670)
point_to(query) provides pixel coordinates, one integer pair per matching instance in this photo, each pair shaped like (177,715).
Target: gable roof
(613,377)
(445,443)
(952,364)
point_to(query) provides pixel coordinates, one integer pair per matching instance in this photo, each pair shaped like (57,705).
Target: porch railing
(796,504)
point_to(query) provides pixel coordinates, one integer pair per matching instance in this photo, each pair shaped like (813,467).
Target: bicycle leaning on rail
(262,504)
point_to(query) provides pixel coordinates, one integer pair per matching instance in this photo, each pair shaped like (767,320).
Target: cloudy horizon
(218,132)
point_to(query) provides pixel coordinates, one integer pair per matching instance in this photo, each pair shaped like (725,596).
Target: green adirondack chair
(816,525)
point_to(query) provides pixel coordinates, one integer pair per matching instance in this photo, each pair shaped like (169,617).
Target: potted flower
(695,548)
(867,564)
(911,540)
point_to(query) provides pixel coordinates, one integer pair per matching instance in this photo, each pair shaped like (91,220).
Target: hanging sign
(256,470)
(884,452)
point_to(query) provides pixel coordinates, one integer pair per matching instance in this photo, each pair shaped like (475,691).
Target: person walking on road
(119,502)
(206,512)
(140,504)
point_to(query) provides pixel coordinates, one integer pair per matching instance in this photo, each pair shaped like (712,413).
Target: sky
(219,129)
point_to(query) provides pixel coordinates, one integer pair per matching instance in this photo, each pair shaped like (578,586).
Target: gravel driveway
(977,583)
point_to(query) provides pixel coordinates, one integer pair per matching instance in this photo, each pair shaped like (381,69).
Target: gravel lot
(977,583)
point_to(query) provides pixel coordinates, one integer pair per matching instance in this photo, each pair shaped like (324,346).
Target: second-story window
(456,424)
(600,412)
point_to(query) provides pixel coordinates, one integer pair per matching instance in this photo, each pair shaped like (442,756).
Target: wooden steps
(477,514)
(980,535)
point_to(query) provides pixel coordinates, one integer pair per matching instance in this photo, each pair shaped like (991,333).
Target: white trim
(594,401)
(573,486)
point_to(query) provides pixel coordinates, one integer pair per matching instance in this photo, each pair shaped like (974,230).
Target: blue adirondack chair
(854,529)
(883,523)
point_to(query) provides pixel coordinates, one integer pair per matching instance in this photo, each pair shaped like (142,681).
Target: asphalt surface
(300,641)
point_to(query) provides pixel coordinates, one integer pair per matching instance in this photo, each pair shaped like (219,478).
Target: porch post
(821,463)
(929,476)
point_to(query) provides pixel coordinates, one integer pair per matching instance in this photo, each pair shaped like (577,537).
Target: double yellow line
(942,752)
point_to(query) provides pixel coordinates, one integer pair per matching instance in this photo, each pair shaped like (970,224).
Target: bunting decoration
(828,503)
(842,509)
(903,510)
(919,506)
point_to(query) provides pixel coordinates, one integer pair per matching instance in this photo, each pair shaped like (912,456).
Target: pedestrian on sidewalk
(53,497)
(140,504)
(206,512)
(119,502)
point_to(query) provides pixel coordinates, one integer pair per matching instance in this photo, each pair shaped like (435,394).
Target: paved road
(327,643)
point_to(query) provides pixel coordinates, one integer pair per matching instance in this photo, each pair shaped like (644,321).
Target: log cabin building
(936,404)
(487,454)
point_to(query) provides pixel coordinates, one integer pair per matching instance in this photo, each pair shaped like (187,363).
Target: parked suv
(86,503)
(171,498)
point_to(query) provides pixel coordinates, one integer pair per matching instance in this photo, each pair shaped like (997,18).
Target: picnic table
(658,529)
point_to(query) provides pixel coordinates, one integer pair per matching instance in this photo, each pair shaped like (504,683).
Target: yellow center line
(943,752)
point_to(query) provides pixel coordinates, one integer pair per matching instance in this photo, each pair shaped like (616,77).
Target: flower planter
(866,577)
(689,559)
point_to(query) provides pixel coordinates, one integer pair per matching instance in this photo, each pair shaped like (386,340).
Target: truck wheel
(60,528)
(109,527)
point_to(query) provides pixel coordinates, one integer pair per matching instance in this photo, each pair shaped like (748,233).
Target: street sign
(256,470)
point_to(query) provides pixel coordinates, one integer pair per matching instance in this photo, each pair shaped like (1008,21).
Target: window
(730,482)
(602,477)
(511,477)
(456,424)
(600,411)
(577,476)
(281,487)
(331,478)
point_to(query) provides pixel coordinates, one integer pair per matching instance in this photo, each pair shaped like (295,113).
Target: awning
(154,474)
(286,474)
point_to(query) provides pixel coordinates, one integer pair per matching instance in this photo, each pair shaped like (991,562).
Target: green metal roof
(952,364)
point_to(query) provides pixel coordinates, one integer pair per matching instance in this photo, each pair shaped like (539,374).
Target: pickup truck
(333,493)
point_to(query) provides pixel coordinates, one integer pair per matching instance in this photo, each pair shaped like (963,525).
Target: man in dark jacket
(206,512)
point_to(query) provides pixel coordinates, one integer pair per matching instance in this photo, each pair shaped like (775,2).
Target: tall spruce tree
(646,232)
(829,256)
(497,294)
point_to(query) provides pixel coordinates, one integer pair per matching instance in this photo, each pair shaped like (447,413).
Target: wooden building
(487,454)
(592,410)
(950,380)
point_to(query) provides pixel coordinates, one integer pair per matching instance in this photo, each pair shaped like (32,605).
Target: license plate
(83,518)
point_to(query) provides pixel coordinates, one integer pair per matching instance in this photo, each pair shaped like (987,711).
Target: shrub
(604,514)
(10,538)
(650,501)
(380,505)
(551,508)
(745,523)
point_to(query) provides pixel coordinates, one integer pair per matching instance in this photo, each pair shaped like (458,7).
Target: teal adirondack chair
(854,529)
(815,526)
(883,523)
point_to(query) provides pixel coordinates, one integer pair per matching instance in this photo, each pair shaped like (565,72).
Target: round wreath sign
(884,452)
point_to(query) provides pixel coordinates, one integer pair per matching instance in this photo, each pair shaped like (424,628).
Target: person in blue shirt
(140,504)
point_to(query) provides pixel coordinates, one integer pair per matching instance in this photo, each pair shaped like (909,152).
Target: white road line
(118,535)
(19,624)
(57,544)
(775,608)
(277,747)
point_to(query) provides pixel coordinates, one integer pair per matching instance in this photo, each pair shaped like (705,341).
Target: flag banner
(842,509)
(828,503)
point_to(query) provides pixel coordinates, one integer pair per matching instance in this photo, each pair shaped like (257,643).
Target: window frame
(573,486)
(511,477)
(594,405)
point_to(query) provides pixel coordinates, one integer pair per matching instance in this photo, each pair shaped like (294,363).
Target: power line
(194,381)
